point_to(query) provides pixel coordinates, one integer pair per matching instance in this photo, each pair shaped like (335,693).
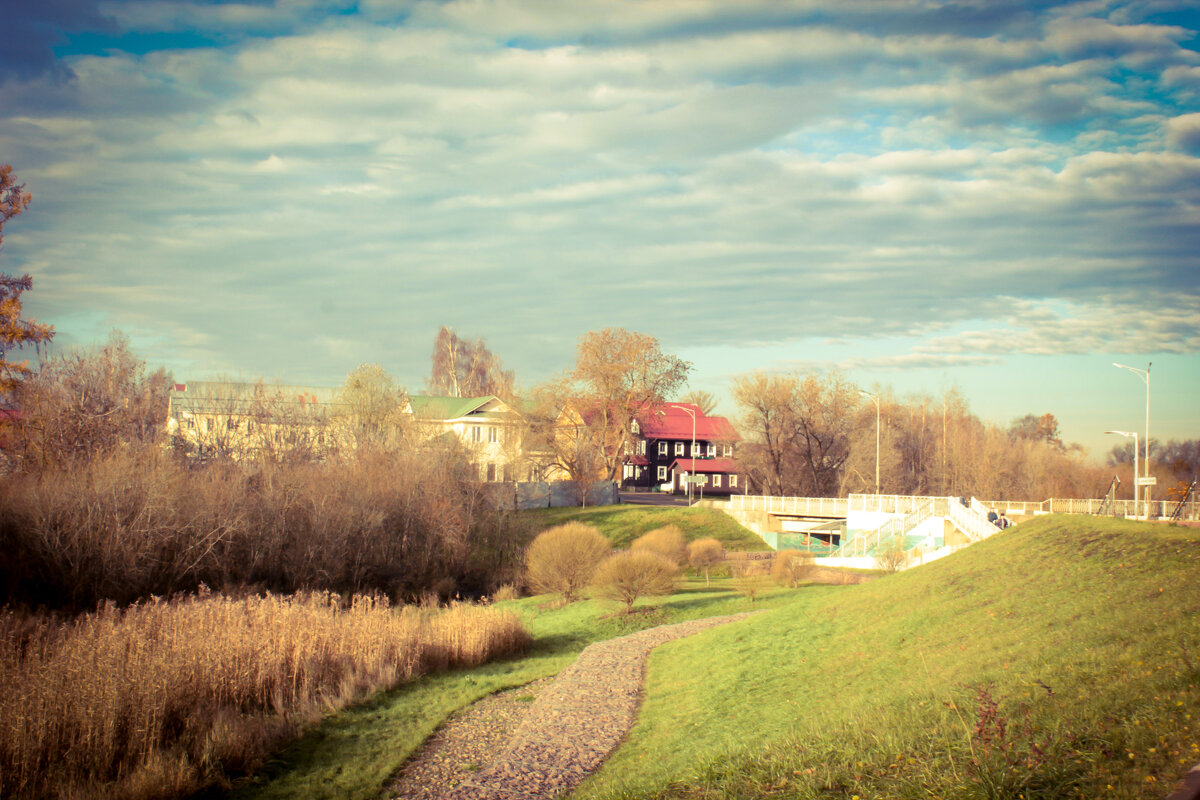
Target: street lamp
(1144,374)
(876,399)
(1133,436)
(691,474)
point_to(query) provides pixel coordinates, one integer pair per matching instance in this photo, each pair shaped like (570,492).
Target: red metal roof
(671,421)
(639,461)
(707,465)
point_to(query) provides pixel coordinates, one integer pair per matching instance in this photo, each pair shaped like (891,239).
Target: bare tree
(373,406)
(467,368)
(705,400)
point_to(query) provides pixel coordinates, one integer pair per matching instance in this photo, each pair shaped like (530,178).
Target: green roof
(428,407)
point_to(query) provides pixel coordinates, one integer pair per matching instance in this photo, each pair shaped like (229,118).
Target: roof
(671,421)
(240,397)
(640,461)
(707,465)
(444,408)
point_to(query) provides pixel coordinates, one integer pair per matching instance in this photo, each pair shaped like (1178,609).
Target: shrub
(791,567)
(751,579)
(704,554)
(668,542)
(563,559)
(632,574)
(891,559)
(506,592)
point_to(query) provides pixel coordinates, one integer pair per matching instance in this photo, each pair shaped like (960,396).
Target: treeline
(815,435)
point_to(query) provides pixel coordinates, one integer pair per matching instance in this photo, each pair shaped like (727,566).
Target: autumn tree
(15,332)
(467,368)
(619,377)
(88,402)
(370,405)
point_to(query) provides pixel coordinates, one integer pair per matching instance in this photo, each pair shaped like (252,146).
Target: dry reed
(163,698)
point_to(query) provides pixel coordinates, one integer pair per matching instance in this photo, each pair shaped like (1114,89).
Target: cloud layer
(310,184)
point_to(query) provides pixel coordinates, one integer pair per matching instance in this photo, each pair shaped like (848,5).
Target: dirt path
(541,740)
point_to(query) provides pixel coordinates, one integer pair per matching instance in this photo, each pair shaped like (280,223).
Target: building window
(476,433)
(491,472)
(641,447)
(635,428)
(716,481)
(662,447)
(638,473)
(191,423)
(733,481)
(728,450)
(628,471)
(231,424)
(493,434)
(627,448)
(679,448)
(712,451)
(208,425)
(697,449)
(662,474)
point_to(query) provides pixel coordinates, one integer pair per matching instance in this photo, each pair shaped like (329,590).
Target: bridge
(854,530)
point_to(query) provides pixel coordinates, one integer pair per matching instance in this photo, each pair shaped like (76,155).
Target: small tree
(704,554)
(563,559)
(15,332)
(791,567)
(635,573)
(668,542)
(750,579)
(892,559)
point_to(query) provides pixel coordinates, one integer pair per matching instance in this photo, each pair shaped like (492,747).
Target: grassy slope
(870,690)
(351,755)
(624,523)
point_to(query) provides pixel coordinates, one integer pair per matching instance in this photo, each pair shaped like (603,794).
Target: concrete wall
(524,495)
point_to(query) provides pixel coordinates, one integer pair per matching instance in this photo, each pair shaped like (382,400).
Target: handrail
(890,529)
(901,504)
(971,522)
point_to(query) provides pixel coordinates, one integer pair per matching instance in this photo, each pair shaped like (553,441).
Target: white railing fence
(904,504)
(971,521)
(862,544)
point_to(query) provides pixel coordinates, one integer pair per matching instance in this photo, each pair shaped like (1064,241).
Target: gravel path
(508,746)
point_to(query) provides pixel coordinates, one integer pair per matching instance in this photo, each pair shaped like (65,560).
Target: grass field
(624,523)
(1060,659)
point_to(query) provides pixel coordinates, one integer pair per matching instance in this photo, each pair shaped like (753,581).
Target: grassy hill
(623,523)
(1059,659)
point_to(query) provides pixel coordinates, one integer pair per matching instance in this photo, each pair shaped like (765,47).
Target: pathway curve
(571,725)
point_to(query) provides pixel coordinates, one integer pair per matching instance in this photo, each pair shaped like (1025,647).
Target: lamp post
(876,399)
(691,474)
(1144,374)
(1133,436)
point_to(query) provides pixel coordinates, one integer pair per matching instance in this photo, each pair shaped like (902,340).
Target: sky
(997,197)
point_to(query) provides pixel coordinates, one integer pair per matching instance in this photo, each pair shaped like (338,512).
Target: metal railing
(797,506)
(970,521)
(903,504)
(863,543)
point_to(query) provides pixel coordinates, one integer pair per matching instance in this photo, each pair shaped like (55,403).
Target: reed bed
(163,698)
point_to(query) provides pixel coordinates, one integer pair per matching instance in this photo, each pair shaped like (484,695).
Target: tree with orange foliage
(15,332)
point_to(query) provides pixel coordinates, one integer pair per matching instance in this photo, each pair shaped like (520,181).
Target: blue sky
(1001,197)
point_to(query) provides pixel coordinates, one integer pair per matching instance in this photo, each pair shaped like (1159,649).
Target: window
(728,449)
(191,423)
(231,424)
(733,481)
(476,433)
(493,434)
(679,448)
(635,428)
(491,472)
(697,449)
(641,447)
(638,472)
(628,471)
(208,424)
(662,447)
(627,448)
(712,451)
(662,474)
(716,481)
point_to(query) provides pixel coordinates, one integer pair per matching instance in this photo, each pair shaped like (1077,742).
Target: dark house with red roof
(662,455)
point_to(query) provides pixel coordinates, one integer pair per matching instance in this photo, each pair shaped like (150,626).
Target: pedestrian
(992,516)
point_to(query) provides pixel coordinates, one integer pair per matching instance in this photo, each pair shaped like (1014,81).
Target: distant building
(245,421)
(663,453)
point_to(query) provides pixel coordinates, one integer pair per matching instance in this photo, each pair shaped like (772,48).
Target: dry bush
(704,554)
(632,574)
(506,592)
(668,542)
(136,523)
(751,579)
(165,698)
(562,559)
(791,567)
(891,559)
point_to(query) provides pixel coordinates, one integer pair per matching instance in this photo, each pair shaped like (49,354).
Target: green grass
(353,754)
(623,523)
(885,689)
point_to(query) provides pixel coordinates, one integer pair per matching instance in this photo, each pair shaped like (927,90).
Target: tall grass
(163,698)
(136,524)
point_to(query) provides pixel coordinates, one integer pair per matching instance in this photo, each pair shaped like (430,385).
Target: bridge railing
(798,506)
(971,521)
(904,504)
(863,543)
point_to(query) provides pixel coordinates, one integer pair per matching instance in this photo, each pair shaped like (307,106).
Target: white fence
(863,543)
(905,504)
